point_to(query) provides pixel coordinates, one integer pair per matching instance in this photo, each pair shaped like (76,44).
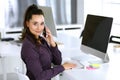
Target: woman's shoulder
(27,48)
(27,43)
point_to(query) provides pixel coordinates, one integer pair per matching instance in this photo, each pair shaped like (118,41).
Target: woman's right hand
(69,65)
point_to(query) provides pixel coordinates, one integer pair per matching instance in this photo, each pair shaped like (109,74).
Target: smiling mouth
(37,31)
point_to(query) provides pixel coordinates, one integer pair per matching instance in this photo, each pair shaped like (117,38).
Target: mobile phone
(44,32)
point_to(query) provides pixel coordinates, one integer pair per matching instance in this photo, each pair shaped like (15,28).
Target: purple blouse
(38,59)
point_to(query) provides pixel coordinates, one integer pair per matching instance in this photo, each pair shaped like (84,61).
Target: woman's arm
(57,55)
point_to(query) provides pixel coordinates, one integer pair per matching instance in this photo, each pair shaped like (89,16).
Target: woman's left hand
(49,37)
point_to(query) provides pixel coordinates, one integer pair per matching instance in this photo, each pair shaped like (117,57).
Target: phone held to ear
(44,32)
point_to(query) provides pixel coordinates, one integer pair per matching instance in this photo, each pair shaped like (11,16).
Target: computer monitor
(95,36)
(49,20)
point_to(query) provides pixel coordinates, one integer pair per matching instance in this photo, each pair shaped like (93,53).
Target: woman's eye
(42,23)
(35,23)
(38,24)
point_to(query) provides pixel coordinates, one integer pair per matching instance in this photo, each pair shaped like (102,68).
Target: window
(64,11)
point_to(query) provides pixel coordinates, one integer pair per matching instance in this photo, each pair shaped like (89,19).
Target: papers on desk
(116,48)
(59,43)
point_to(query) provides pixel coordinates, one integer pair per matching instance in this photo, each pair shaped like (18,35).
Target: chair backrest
(22,76)
(49,20)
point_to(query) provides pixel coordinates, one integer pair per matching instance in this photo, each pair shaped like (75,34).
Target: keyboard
(79,65)
(86,59)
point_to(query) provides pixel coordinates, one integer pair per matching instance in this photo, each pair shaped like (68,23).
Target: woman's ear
(27,23)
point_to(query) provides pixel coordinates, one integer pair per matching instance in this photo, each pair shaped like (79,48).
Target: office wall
(110,8)
(93,7)
(80,11)
(2,15)
(64,11)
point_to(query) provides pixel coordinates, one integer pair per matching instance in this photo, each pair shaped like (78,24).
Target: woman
(39,52)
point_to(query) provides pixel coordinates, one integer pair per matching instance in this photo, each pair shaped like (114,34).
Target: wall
(80,11)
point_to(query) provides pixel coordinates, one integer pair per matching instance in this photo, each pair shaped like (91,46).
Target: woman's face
(36,25)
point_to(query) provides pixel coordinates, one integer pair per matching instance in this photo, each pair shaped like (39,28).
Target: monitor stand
(106,59)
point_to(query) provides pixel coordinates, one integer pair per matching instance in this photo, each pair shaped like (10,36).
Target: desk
(107,71)
(70,48)
(83,74)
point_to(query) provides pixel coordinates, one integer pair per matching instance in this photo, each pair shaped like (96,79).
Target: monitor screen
(95,36)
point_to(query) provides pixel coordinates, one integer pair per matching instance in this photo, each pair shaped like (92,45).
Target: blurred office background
(65,12)
(69,15)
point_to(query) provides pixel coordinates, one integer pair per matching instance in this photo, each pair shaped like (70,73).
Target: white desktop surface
(84,74)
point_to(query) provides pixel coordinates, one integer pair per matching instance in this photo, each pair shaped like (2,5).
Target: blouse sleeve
(57,56)
(31,59)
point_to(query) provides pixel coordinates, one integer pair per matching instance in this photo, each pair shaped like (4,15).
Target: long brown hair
(31,10)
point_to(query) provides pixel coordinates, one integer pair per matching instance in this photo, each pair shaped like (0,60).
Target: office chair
(15,76)
(22,76)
